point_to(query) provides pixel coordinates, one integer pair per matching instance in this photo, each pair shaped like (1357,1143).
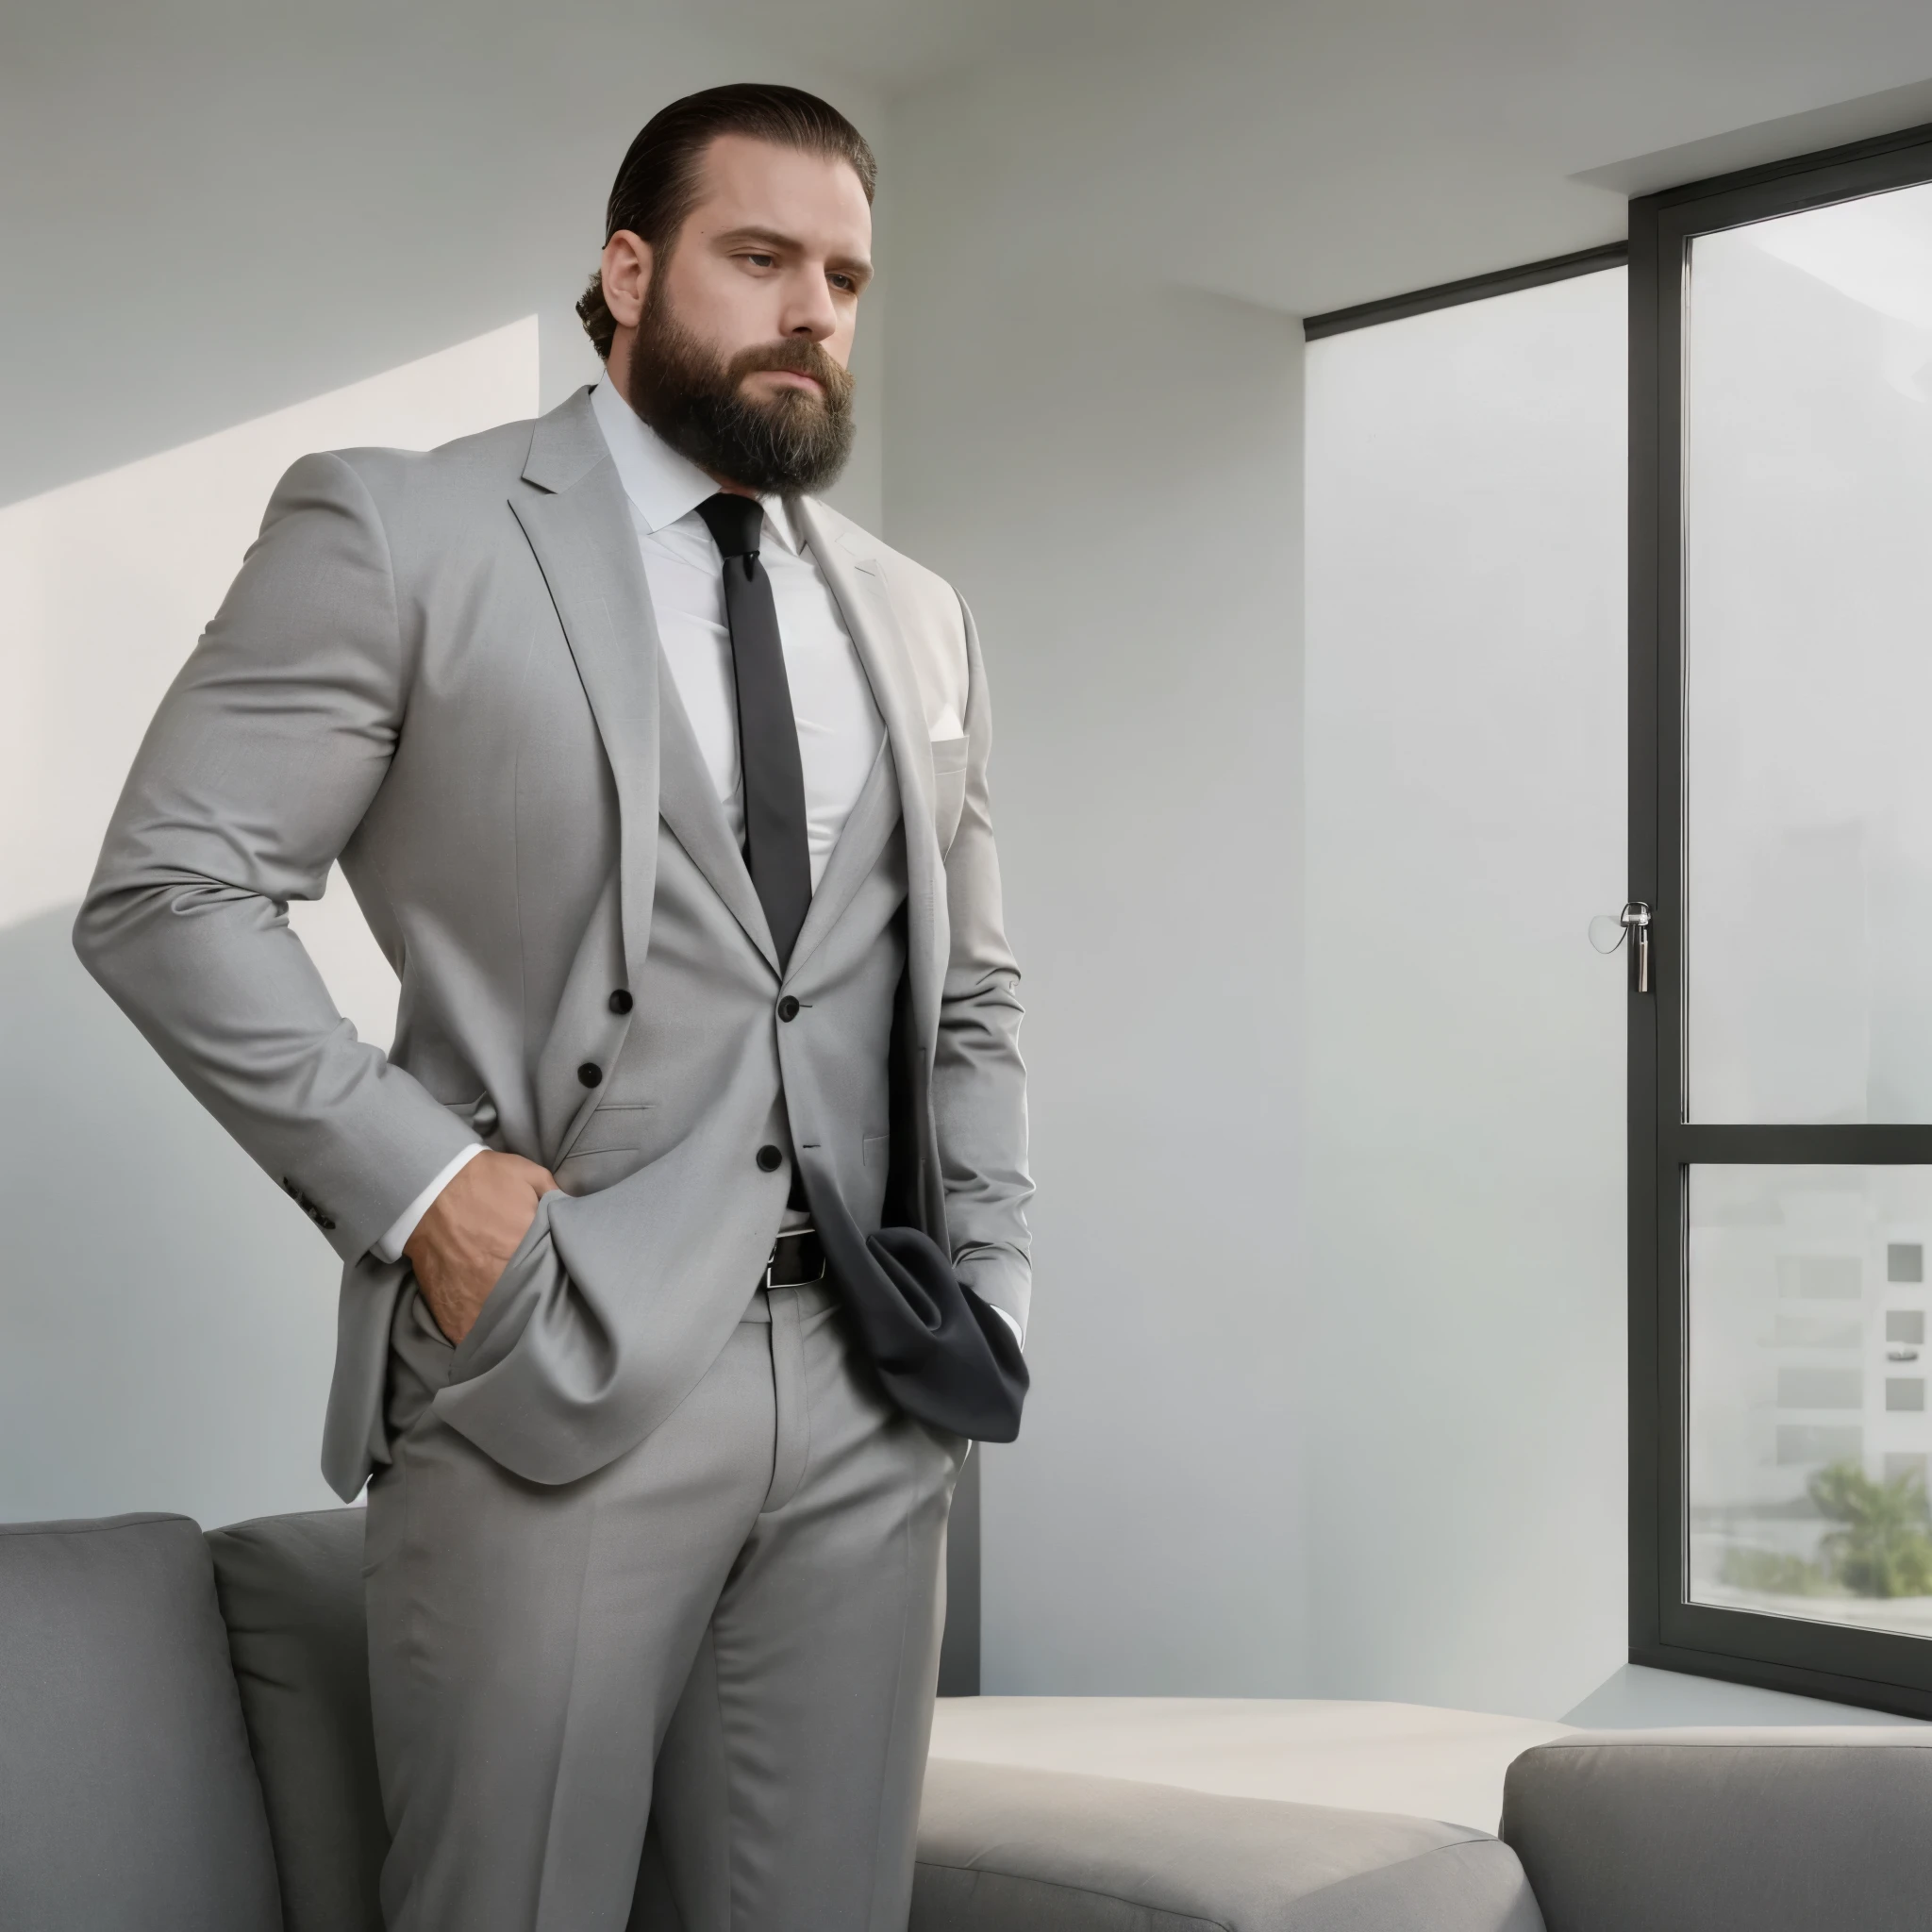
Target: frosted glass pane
(1809,1434)
(1809,666)
(1466,819)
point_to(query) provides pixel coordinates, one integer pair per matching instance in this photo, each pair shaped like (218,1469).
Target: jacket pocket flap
(615,1127)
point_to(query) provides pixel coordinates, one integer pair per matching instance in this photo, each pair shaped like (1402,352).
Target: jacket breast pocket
(949,788)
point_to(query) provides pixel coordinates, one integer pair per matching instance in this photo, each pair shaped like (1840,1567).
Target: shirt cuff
(390,1248)
(1011,1322)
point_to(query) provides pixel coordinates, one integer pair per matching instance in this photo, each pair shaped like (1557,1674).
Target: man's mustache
(799,357)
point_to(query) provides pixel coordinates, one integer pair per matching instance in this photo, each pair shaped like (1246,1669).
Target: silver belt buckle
(791,1234)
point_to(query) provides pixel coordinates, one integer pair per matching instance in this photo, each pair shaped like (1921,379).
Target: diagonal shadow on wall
(166,1315)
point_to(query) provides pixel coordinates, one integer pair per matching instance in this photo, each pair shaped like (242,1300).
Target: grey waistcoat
(707,1016)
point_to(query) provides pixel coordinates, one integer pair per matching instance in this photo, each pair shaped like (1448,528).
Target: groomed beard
(793,444)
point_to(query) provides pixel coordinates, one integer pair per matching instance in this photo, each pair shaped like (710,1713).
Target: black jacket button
(788,1008)
(589,1073)
(771,1160)
(620,1001)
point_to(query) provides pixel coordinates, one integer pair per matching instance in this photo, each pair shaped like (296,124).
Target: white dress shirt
(839,729)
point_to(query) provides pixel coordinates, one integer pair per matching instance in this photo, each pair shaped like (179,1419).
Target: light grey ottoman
(1002,1849)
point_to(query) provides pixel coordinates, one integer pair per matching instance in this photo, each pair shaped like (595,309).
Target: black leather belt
(797,1259)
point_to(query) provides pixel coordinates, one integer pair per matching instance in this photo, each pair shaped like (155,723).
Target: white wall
(1465,1089)
(1389,1464)
(1107,467)
(233,235)
(216,208)
(169,1318)
(1386,1460)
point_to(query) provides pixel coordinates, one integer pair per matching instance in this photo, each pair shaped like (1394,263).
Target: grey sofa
(185,1747)
(1727,1831)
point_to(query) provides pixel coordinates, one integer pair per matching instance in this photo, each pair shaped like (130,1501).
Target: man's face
(734,344)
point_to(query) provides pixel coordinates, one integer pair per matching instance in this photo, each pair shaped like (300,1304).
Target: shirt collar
(665,487)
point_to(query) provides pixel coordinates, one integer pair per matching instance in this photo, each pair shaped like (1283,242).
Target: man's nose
(809,310)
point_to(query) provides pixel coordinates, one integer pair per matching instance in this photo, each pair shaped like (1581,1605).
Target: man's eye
(761,261)
(843,282)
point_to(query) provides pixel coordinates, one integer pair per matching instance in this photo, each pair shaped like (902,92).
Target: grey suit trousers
(730,1632)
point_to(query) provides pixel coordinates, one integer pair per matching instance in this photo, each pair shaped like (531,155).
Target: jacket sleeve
(255,772)
(978,1080)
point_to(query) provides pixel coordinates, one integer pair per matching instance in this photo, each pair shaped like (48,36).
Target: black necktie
(775,835)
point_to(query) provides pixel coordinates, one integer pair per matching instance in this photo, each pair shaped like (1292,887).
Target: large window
(1781,1058)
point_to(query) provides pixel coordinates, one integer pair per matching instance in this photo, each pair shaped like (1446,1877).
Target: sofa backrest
(129,1801)
(291,1592)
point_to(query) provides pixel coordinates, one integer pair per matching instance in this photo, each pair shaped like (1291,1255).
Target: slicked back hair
(658,185)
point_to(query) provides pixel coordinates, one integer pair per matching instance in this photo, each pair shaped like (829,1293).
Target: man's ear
(627,276)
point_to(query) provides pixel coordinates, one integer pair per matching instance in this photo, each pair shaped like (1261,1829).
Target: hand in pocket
(464,1242)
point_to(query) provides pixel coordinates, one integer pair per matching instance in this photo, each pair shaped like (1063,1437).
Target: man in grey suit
(663,787)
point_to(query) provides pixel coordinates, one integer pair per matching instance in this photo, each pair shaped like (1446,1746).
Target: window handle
(1635,919)
(1609,932)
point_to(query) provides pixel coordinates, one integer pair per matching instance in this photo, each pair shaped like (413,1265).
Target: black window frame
(1880,1670)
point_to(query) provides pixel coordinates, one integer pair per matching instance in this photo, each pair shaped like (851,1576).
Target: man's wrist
(396,1237)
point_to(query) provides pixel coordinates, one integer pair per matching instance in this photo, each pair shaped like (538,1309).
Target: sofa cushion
(1417,1760)
(127,1800)
(1759,1830)
(291,1592)
(1002,1849)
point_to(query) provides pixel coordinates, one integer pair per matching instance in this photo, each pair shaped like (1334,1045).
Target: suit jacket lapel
(687,803)
(859,587)
(579,525)
(576,520)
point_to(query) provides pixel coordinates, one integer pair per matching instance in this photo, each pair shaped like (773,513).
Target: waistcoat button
(771,1160)
(589,1073)
(620,1001)
(788,1008)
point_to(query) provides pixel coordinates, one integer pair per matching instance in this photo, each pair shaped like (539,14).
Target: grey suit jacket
(443,670)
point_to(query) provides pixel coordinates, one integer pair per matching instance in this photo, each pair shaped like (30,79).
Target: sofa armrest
(1725,1830)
